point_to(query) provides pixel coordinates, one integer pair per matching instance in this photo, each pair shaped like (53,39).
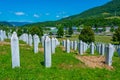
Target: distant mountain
(105,15)
(4,23)
(112,8)
(19,23)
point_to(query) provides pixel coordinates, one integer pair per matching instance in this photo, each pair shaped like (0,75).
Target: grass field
(105,39)
(64,66)
(98,38)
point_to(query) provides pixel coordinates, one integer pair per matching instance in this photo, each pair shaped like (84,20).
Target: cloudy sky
(43,10)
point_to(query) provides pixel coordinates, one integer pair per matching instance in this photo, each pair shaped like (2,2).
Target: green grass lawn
(105,39)
(64,66)
(98,38)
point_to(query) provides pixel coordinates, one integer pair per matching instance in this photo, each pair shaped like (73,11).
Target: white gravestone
(75,45)
(92,48)
(36,43)
(102,49)
(99,48)
(68,46)
(80,48)
(64,43)
(53,45)
(47,52)
(15,50)
(42,40)
(109,54)
(1,36)
(30,40)
(71,44)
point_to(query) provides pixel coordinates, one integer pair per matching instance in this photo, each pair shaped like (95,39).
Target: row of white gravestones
(100,48)
(109,54)
(2,35)
(36,43)
(73,44)
(117,48)
(49,47)
(24,37)
(15,50)
(82,47)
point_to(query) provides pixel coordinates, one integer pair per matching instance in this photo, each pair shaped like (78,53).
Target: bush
(70,31)
(36,30)
(60,32)
(87,35)
(116,35)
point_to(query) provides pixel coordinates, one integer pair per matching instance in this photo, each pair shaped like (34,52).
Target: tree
(60,31)
(19,32)
(87,35)
(96,30)
(70,31)
(104,29)
(78,29)
(116,35)
(112,29)
(36,30)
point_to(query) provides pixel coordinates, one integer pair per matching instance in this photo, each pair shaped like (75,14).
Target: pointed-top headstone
(15,50)
(109,54)
(36,43)
(92,48)
(67,46)
(53,45)
(30,40)
(80,48)
(47,52)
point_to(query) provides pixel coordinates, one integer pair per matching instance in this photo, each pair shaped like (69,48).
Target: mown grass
(105,39)
(98,38)
(64,66)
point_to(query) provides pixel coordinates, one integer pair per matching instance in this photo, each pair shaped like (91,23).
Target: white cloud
(57,16)
(35,15)
(47,14)
(19,13)
(65,16)
(62,13)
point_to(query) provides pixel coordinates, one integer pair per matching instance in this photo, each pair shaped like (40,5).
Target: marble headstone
(47,52)
(15,50)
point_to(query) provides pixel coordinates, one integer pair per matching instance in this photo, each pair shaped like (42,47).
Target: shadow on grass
(42,63)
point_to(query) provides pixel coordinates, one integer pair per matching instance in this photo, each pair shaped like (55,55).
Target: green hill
(112,8)
(105,15)
(3,23)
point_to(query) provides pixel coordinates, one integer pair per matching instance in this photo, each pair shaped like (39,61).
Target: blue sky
(43,10)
